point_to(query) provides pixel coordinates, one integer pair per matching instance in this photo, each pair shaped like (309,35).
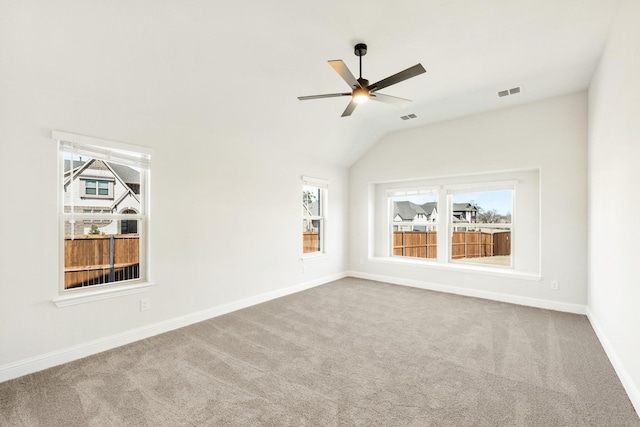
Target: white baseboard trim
(495,296)
(632,389)
(58,357)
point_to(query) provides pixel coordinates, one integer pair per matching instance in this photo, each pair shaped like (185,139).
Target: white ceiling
(236,68)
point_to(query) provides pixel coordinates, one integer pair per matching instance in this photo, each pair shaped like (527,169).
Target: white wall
(614,198)
(225,222)
(550,135)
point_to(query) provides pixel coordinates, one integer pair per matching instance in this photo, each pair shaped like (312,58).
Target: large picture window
(103,212)
(314,200)
(461,222)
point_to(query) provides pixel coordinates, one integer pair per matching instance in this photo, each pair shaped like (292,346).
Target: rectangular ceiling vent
(409,117)
(508,92)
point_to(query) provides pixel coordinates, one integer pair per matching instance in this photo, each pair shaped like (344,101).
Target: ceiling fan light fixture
(360,89)
(360,95)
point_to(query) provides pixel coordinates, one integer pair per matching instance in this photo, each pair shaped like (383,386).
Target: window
(414,224)
(103,212)
(479,223)
(96,188)
(462,222)
(481,226)
(314,197)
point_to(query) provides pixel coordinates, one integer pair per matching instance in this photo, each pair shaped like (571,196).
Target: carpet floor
(349,353)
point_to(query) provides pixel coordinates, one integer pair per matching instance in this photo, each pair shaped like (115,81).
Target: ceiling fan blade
(352,106)
(389,99)
(328,95)
(344,72)
(397,78)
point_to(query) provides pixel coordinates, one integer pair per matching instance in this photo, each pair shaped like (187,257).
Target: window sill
(100,294)
(462,268)
(312,256)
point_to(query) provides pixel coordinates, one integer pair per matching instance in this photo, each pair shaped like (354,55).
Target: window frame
(115,152)
(97,180)
(480,188)
(323,189)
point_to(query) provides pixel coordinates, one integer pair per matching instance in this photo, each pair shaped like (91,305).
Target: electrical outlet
(554,285)
(145,304)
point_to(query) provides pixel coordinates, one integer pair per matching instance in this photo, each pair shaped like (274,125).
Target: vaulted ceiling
(236,68)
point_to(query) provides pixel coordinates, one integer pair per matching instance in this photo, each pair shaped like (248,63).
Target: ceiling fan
(361,90)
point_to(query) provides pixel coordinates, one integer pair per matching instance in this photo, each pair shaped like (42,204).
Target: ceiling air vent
(508,92)
(409,117)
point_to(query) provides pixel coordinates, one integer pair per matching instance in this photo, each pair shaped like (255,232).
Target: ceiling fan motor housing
(360,49)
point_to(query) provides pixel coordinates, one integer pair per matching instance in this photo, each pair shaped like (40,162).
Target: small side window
(314,200)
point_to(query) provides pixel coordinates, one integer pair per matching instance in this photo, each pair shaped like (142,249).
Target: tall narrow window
(103,212)
(314,200)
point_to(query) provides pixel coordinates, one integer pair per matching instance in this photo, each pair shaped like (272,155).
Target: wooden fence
(419,244)
(464,244)
(97,259)
(310,242)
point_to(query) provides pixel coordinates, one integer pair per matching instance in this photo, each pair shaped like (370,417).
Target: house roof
(279,50)
(407,210)
(464,207)
(125,173)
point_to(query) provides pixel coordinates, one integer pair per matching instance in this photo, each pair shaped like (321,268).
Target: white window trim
(83,188)
(100,294)
(127,154)
(457,267)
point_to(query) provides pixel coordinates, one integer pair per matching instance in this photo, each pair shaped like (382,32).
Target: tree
(308,197)
(94,230)
(492,216)
(488,216)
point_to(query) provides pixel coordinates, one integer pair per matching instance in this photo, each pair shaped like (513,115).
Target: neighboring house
(465,212)
(99,187)
(421,216)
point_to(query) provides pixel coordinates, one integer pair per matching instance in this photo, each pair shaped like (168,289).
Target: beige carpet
(349,353)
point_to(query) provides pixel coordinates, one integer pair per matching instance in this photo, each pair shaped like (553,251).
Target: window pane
(311,201)
(92,258)
(489,207)
(414,226)
(103,188)
(478,245)
(90,187)
(477,236)
(311,235)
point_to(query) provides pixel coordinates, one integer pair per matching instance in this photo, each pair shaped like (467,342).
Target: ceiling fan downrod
(360,50)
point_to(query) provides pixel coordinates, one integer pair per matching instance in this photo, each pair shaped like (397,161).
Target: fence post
(112,250)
